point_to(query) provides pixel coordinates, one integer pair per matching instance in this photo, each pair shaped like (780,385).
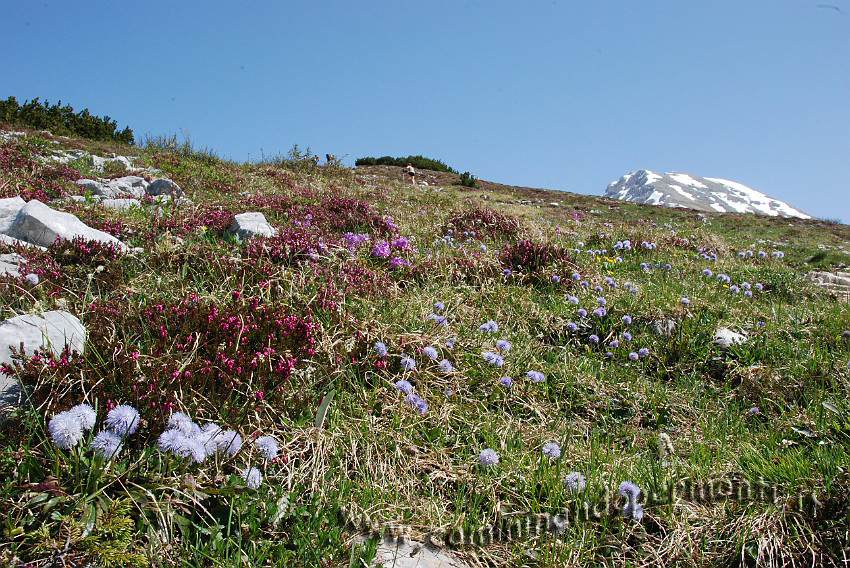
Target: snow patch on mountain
(677,189)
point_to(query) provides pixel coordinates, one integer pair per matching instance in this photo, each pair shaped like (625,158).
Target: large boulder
(51,331)
(126,186)
(98,163)
(248,225)
(39,224)
(164,186)
(9,209)
(89,185)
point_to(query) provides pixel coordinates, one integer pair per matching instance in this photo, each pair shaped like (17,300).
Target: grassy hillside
(255,336)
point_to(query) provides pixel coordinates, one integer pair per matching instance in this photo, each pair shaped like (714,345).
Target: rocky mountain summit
(675,189)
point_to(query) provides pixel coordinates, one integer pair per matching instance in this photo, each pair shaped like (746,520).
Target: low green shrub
(60,119)
(419,162)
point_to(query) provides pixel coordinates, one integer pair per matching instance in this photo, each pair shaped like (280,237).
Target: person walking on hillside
(411,173)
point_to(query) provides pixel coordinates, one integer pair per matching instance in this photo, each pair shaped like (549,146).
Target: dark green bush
(418,162)
(63,120)
(467,180)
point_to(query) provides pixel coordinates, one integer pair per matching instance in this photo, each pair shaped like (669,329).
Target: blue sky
(560,95)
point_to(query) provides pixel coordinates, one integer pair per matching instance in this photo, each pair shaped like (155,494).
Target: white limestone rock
(248,225)
(39,224)
(725,337)
(51,330)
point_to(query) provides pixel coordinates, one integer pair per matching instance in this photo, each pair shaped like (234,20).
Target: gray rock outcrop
(38,224)
(52,330)
(164,186)
(9,209)
(836,283)
(121,204)
(248,225)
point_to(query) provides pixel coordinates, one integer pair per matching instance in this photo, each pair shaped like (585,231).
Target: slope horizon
(593,93)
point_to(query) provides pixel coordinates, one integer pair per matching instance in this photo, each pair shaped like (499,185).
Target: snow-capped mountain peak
(676,189)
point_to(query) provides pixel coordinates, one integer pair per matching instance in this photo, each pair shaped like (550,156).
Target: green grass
(375,458)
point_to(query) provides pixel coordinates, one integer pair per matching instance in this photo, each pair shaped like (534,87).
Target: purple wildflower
(631,492)
(506,381)
(503,345)
(417,402)
(407,363)
(381,349)
(488,458)
(535,376)
(430,352)
(552,450)
(575,481)
(123,420)
(493,358)
(404,386)
(65,430)
(106,444)
(381,250)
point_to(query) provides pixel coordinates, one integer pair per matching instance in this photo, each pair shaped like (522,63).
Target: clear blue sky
(561,95)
